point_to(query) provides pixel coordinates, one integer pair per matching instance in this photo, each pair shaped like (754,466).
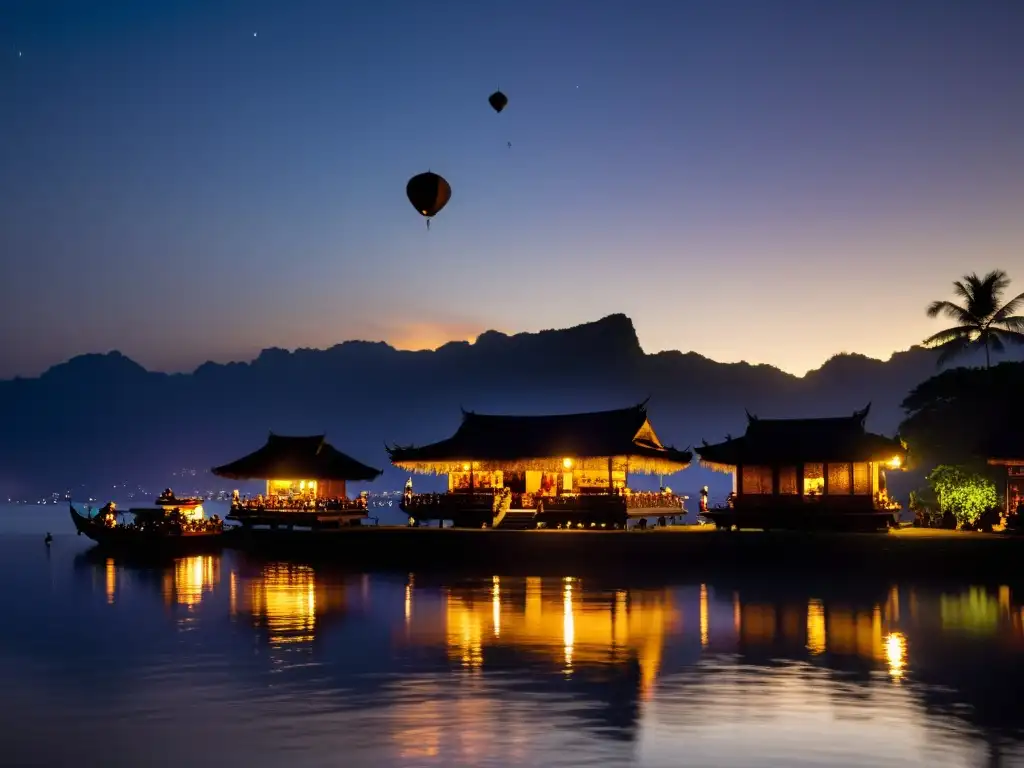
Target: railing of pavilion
(583,501)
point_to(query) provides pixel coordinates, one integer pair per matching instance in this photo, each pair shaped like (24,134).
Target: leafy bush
(965,493)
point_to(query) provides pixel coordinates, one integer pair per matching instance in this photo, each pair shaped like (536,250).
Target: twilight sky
(769,181)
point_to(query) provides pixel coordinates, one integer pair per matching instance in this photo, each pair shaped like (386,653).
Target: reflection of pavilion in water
(874,631)
(190,579)
(183,582)
(946,643)
(287,601)
(603,647)
(808,630)
(553,619)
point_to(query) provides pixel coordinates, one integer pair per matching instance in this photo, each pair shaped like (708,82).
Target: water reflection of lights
(568,626)
(190,579)
(816,636)
(496,606)
(856,633)
(559,621)
(974,611)
(111,581)
(892,606)
(895,654)
(285,596)
(408,598)
(704,636)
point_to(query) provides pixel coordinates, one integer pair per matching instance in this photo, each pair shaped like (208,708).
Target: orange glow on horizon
(416,337)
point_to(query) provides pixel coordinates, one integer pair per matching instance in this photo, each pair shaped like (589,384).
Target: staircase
(517,520)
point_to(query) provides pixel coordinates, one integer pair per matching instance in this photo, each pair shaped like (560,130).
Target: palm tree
(980,321)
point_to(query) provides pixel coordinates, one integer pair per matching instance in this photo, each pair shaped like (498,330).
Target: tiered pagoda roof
(307,457)
(542,443)
(799,441)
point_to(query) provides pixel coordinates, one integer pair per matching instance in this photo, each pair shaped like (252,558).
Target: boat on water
(172,524)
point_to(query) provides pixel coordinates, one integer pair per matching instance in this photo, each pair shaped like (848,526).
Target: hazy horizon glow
(775,183)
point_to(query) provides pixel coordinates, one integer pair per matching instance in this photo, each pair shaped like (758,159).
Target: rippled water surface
(230,660)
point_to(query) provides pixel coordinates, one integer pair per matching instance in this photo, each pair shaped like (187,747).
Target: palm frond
(1013,324)
(986,293)
(952,350)
(996,281)
(952,311)
(966,292)
(1008,309)
(1013,335)
(950,335)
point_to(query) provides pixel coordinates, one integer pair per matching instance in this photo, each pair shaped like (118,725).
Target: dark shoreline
(908,554)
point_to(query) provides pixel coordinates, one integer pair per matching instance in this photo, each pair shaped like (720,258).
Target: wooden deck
(473,510)
(289,518)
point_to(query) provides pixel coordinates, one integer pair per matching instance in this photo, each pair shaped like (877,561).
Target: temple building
(807,473)
(306,484)
(558,471)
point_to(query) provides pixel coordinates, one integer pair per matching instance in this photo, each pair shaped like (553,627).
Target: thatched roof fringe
(715,467)
(1006,462)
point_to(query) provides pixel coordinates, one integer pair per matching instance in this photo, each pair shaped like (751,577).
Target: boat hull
(129,540)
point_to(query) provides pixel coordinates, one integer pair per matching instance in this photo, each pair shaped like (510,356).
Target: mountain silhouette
(101,419)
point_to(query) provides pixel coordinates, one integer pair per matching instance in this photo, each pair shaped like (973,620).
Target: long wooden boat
(153,530)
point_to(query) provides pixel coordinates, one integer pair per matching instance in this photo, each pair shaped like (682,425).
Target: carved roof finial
(862,414)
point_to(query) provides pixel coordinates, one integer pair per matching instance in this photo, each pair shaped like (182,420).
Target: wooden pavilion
(306,483)
(565,470)
(1007,450)
(807,473)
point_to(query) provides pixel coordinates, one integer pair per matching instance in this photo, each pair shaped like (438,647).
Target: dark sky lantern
(428,193)
(498,101)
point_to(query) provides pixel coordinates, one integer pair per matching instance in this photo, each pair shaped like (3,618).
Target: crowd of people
(306,503)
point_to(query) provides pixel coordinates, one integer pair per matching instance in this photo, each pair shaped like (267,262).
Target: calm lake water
(229,660)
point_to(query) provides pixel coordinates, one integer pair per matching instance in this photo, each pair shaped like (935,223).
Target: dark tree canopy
(956,416)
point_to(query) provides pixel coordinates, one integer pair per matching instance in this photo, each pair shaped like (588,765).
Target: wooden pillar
(775,479)
(1006,495)
(739,479)
(611,479)
(472,486)
(799,479)
(824,473)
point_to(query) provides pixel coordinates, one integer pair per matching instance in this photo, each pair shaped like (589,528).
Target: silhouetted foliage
(981,321)
(954,417)
(104,419)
